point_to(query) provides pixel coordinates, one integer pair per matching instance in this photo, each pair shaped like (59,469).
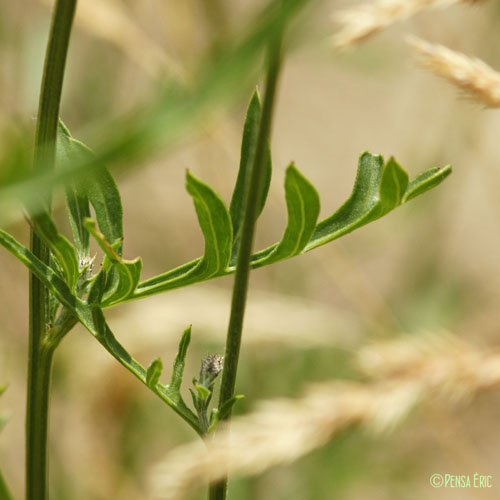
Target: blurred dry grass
(404,373)
(431,264)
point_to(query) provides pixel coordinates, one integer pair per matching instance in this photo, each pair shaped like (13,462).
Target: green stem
(38,416)
(40,357)
(37,426)
(240,288)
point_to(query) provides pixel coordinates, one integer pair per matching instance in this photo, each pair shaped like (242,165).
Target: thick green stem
(38,403)
(36,460)
(40,356)
(240,288)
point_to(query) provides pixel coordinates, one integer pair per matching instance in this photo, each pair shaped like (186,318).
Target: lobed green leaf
(92,318)
(379,188)
(215,224)
(76,198)
(153,373)
(63,251)
(47,275)
(97,288)
(128,271)
(97,188)
(248,147)
(425,181)
(303,206)
(180,361)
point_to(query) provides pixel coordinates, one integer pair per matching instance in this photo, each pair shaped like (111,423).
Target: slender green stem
(240,288)
(4,491)
(40,357)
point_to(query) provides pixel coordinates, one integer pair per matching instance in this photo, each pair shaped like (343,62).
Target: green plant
(65,291)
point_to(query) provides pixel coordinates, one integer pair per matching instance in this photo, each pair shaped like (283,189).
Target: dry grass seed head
(361,22)
(472,75)
(406,372)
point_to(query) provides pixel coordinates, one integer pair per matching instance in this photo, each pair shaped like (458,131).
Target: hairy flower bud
(211,366)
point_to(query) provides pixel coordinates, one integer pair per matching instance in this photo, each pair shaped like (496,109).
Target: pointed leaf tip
(303,207)
(215,224)
(425,181)
(392,187)
(248,148)
(98,188)
(179,363)
(371,197)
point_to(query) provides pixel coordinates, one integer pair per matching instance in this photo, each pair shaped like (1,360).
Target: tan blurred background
(431,265)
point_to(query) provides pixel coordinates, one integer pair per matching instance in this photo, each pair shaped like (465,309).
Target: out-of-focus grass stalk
(170,115)
(4,491)
(240,288)
(41,351)
(216,15)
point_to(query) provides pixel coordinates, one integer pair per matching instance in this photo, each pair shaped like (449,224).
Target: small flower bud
(86,264)
(211,366)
